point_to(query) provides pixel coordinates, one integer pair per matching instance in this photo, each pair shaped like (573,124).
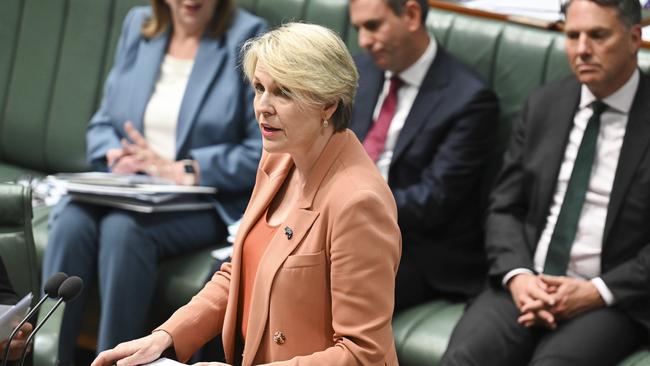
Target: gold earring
(325,123)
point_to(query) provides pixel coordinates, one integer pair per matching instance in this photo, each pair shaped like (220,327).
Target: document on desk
(11,315)
(165,362)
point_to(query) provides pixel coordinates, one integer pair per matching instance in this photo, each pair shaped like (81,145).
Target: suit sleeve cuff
(604,291)
(513,273)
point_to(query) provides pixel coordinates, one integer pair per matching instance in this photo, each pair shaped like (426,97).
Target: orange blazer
(322,295)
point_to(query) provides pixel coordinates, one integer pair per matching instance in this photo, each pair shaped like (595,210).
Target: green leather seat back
(277,12)
(9,17)
(640,358)
(63,50)
(439,24)
(12,173)
(247,4)
(76,85)
(557,66)
(422,332)
(332,14)
(53,84)
(352,41)
(519,66)
(475,43)
(16,241)
(119,9)
(31,82)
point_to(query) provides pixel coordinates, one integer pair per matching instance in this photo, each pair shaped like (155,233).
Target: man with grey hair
(428,122)
(567,232)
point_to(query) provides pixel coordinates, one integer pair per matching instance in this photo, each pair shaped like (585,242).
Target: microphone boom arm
(22,322)
(31,336)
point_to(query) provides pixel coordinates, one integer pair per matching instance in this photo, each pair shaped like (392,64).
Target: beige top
(161,114)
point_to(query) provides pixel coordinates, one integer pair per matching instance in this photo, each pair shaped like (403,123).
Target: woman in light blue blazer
(175,105)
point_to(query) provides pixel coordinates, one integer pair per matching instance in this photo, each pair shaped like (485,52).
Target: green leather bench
(55,57)
(514,59)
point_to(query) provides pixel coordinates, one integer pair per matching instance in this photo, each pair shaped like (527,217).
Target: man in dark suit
(429,123)
(567,233)
(8,297)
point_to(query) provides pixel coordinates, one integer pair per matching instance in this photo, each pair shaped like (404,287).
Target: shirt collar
(621,100)
(414,74)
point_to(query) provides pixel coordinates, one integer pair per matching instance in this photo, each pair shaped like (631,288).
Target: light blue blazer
(216,123)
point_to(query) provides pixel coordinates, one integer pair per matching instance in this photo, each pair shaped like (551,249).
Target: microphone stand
(51,290)
(68,290)
(39,326)
(22,322)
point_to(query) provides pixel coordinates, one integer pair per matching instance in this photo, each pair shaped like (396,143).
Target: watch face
(188,166)
(189,178)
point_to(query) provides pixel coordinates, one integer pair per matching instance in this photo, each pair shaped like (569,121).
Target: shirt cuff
(513,273)
(604,291)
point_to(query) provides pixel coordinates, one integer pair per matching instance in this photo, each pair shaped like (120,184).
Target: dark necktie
(376,138)
(559,249)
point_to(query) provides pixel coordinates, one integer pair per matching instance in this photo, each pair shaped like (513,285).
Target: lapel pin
(288,232)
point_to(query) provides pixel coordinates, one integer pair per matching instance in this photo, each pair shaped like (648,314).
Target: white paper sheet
(10,316)
(165,362)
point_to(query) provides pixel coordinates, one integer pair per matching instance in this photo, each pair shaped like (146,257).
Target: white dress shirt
(412,78)
(587,246)
(161,114)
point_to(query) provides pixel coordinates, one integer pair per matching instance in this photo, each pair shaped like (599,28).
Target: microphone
(68,291)
(51,290)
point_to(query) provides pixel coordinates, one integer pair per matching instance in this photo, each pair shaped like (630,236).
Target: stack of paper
(165,362)
(139,193)
(10,316)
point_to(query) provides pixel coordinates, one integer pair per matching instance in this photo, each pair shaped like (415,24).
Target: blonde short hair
(310,62)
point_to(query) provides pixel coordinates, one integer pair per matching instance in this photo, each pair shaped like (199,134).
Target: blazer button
(279,338)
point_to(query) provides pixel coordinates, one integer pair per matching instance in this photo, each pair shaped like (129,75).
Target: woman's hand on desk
(137,352)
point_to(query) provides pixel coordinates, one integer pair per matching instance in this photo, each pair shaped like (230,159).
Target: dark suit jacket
(526,184)
(437,166)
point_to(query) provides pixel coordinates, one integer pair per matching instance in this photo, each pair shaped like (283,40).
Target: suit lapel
(269,182)
(209,59)
(147,68)
(299,221)
(558,125)
(428,99)
(635,144)
(280,247)
(366,99)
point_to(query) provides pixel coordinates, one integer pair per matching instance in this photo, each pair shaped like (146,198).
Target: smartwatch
(189,173)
